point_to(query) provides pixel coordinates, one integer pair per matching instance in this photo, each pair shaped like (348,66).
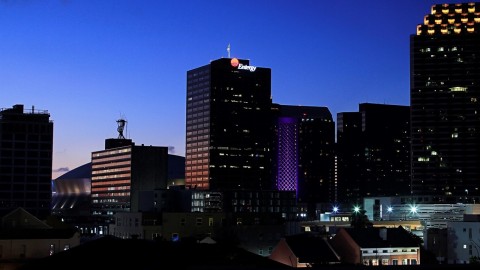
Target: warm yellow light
(445,11)
(451,21)
(471,9)
(431,31)
(458,10)
(457,30)
(419,30)
(470,29)
(438,21)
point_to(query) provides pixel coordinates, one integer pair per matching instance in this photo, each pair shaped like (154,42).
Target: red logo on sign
(234,62)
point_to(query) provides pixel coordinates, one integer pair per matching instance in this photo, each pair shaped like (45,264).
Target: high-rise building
(228,126)
(349,153)
(121,172)
(26,143)
(304,154)
(373,150)
(445,103)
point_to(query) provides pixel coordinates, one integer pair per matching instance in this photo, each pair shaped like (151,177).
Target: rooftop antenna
(228,50)
(121,126)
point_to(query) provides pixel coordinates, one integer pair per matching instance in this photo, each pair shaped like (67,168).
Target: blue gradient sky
(90,62)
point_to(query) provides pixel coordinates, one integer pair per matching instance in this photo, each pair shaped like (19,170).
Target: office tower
(26,139)
(349,153)
(304,154)
(373,150)
(119,173)
(228,126)
(445,103)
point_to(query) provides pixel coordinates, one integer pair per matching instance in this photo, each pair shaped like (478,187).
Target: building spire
(228,50)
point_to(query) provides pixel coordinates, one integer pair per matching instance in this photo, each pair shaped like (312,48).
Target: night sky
(91,62)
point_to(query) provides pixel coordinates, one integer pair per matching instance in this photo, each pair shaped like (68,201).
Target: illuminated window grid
(287,172)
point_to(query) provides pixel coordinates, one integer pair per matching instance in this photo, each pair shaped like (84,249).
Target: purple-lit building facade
(305,159)
(287,154)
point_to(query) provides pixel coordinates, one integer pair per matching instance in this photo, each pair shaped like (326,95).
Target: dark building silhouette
(445,103)
(120,173)
(304,154)
(26,140)
(349,153)
(228,126)
(373,152)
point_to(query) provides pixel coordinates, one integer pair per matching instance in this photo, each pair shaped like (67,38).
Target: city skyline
(90,63)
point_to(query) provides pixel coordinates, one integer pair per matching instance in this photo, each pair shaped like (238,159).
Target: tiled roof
(309,248)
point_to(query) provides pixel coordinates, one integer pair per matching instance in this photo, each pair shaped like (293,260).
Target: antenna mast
(228,50)
(121,126)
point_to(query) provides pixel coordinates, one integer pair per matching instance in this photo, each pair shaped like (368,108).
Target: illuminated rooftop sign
(235,63)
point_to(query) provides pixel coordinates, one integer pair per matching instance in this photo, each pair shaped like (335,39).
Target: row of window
(386,262)
(387,251)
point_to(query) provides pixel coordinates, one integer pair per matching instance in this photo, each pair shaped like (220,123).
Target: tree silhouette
(360,220)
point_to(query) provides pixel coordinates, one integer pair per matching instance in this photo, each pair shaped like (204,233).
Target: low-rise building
(376,246)
(23,237)
(304,250)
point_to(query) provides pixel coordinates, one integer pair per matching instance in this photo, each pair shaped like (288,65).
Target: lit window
(52,249)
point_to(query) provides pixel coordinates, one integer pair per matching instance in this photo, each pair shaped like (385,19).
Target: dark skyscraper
(445,102)
(349,152)
(373,150)
(304,154)
(26,140)
(228,129)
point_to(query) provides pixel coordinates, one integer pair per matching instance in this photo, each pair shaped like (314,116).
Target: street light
(389,211)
